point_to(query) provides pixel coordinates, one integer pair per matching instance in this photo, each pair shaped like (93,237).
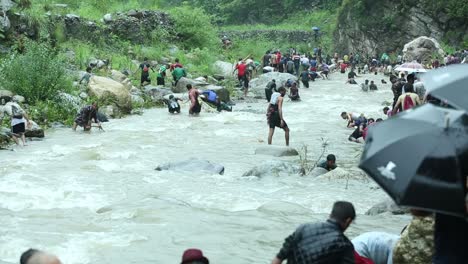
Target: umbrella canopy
(449,83)
(415,158)
(411,67)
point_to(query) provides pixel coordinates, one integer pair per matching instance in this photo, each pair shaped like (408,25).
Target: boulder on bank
(5,136)
(181,86)
(223,68)
(422,49)
(34,131)
(157,93)
(193,165)
(107,89)
(6,95)
(387,205)
(276,151)
(258,85)
(274,167)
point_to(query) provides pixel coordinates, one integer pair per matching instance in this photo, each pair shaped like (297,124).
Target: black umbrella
(415,158)
(449,83)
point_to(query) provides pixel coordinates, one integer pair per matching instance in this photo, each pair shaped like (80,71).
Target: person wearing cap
(194,256)
(321,242)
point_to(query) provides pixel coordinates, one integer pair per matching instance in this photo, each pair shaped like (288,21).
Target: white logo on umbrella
(387,171)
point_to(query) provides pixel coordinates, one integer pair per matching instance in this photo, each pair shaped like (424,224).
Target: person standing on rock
(161,77)
(195,106)
(177,74)
(145,76)
(321,242)
(175,65)
(86,77)
(86,116)
(241,69)
(275,115)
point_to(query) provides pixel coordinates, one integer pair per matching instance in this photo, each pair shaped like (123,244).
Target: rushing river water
(96,198)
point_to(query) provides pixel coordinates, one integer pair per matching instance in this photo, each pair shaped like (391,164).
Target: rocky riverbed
(98,198)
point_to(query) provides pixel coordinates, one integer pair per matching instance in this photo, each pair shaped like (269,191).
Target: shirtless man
(354,119)
(195,106)
(275,115)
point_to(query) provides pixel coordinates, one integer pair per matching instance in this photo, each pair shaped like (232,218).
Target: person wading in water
(275,115)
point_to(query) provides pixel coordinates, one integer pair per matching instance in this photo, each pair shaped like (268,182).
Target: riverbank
(97,198)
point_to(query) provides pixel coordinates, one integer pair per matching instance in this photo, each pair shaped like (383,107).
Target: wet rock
(257,85)
(110,111)
(57,125)
(107,89)
(422,49)
(72,17)
(193,165)
(276,151)
(34,131)
(102,116)
(316,172)
(118,76)
(386,206)
(224,69)
(181,86)
(274,168)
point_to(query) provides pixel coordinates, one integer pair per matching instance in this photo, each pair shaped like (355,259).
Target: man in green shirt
(161,77)
(177,74)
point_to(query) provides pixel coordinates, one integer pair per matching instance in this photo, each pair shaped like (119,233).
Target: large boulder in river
(223,68)
(386,206)
(422,49)
(181,86)
(276,151)
(107,89)
(157,93)
(34,131)
(274,168)
(193,165)
(258,85)
(5,136)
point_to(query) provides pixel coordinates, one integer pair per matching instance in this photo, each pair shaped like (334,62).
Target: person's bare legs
(23,138)
(74,126)
(286,135)
(270,135)
(15,139)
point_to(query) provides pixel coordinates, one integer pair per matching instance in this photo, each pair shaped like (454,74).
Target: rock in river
(192,165)
(276,151)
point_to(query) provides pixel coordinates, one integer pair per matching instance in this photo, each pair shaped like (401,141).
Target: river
(96,198)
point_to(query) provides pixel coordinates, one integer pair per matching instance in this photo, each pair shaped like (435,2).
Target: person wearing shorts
(275,115)
(325,71)
(18,127)
(195,107)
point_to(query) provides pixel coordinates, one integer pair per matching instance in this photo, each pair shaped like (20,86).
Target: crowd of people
(323,242)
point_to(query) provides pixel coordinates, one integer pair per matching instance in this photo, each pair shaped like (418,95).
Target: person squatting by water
(86,116)
(275,115)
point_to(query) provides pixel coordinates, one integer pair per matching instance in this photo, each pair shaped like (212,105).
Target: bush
(37,74)
(194,27)
(47,112)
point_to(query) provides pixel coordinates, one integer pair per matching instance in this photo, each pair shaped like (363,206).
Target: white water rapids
(96,198)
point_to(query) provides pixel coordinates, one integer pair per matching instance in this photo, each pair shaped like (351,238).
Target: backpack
(145,68)
(408,102)
(17,112)
(290,65)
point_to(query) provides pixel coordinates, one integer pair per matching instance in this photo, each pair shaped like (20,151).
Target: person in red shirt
(343,67)
(241,69)
(176,65)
